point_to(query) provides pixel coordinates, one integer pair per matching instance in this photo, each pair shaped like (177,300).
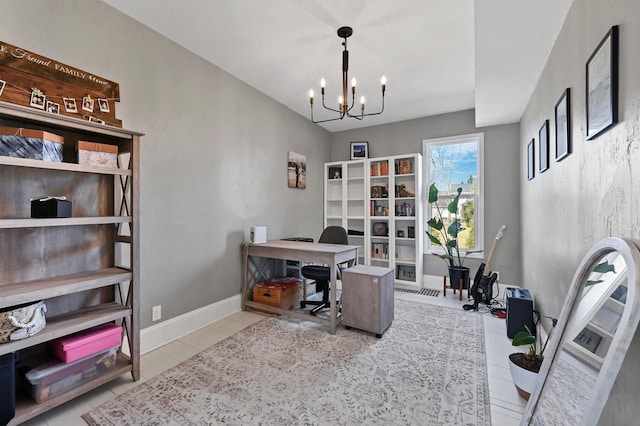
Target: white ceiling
(438,56)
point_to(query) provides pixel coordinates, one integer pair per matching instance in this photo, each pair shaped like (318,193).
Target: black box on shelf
(50,208)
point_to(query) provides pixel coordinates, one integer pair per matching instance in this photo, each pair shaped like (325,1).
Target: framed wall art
(531,160)
(359,150)
(562,113)
(602,85)
(296,170)
(543,148)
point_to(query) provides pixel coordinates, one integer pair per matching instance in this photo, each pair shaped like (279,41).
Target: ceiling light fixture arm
(343,101)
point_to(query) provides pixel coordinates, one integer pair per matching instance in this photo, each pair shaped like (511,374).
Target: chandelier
(344,109)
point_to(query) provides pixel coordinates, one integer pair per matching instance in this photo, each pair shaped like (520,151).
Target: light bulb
(323,83)
(311,93)
(383,80)
(362,103)
(353,82)
(340,100)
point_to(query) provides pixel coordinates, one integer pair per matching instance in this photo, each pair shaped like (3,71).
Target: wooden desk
(329,254)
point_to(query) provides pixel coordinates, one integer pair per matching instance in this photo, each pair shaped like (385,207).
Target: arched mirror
(588,346)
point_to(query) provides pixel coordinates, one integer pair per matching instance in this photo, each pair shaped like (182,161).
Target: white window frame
(426,158)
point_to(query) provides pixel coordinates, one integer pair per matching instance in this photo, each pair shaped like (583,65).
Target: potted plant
(524,366)
(446,236)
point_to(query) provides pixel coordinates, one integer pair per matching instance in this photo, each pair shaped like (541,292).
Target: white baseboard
(172,329)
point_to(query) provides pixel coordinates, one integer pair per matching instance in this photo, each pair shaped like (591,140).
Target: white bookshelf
(379,202)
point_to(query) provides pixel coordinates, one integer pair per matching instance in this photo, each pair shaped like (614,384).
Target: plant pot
(524,379)
(457,272)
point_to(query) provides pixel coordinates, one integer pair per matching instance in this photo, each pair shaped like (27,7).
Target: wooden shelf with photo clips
(86,267)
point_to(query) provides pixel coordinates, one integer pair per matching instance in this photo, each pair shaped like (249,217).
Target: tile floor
(506,405)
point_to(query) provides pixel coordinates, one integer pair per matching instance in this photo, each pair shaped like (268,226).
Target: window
(452,163)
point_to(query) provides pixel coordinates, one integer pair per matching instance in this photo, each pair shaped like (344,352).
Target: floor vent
(425,291)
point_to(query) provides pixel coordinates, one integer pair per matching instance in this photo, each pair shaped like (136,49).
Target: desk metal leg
(332,289)
(245,275)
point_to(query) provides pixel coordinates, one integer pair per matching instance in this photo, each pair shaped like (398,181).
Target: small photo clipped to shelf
(359,150)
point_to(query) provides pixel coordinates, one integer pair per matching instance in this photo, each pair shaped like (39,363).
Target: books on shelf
(378,208)
(403,192)
(379,168)
(403,167)
(406,272)
(380,191)
(380,250)
(404,209)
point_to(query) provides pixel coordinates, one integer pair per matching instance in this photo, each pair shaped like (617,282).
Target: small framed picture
(70,105)
(620,294)
(562,114)
(87,104)
(2,84)
(359,150)
(37,99)
(531,160)
(602,85)
(543,148)
(588,339)
(95,119)
(53,108)
(103,105)
(296,170)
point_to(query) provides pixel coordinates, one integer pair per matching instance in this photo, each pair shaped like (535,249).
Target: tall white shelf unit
(346,200)
(379,202)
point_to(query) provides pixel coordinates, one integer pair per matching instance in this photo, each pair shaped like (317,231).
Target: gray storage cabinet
(367,298)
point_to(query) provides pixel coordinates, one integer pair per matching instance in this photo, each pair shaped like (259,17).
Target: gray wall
(213,158)
(501,176)
(595,192)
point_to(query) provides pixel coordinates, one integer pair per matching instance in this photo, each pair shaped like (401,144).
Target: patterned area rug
(429,368)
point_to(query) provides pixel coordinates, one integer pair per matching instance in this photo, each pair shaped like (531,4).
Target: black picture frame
(359,150)
(543,147)
(531,160)
(602,85)
(562,122)
(588,339)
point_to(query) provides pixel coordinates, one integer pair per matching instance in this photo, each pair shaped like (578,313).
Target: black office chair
(322,274)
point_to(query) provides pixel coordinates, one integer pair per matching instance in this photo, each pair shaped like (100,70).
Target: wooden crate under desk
(281,297)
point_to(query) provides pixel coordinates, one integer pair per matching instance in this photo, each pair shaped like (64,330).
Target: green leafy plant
(602,268)
(526,337)
(443,235)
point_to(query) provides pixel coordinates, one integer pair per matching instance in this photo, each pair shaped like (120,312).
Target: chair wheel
(303,305)
(378,335)
(347,327)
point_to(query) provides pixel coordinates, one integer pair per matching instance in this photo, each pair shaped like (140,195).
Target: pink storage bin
(87,342)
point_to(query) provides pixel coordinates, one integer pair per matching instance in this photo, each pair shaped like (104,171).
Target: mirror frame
(621,339)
